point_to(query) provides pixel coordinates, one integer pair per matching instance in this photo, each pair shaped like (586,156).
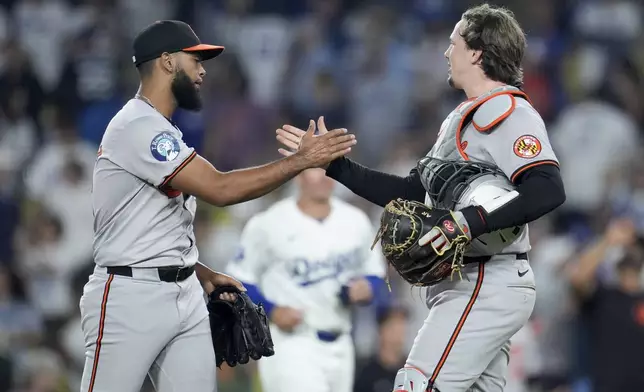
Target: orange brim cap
(205,51)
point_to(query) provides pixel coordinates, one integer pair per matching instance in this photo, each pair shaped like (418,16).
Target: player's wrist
(472,219)
(294,164)
(204,273)
(274,312)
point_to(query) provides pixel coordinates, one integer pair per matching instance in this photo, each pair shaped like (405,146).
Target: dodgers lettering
(307,272)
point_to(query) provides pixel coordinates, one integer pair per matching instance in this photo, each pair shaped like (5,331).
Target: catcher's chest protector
(448,146)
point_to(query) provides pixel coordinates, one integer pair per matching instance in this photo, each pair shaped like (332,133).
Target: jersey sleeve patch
(527,146)
(493,111)
(165,147)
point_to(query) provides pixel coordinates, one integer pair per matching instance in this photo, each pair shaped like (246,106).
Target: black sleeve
(540,189)
(377,187)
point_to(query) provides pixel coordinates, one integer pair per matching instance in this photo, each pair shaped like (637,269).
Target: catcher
(458,223)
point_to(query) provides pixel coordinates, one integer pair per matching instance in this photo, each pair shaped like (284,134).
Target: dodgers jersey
(300,262)
(139,220)
(505,130)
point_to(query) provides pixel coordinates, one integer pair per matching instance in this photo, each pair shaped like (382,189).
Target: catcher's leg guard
(410,379)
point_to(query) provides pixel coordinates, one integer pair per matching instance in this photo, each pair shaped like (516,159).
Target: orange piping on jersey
(459,326)
(499,119)
(178,169)
(522,169)
(101,328)
(469,111)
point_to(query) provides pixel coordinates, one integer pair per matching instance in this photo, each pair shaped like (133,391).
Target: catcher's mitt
(403,223)
(239,330)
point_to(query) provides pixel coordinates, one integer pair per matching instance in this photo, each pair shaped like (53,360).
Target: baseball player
(464,342)
(308,260)
(143,309)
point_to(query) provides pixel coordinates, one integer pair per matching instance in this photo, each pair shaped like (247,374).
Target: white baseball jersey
(138,219)
(300,262)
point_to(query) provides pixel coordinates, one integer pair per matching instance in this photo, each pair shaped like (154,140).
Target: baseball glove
(403,223)
(239,330)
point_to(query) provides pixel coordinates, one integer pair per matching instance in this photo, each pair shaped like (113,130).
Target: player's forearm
(377,187)
(203,271)
(539,192)
(243,185)
(582,274)
(222,189)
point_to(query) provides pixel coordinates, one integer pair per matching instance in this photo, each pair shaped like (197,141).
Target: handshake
(312,150)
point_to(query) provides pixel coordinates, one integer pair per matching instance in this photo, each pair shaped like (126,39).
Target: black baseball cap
(170,36)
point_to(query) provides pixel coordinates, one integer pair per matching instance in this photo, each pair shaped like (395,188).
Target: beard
(185,92)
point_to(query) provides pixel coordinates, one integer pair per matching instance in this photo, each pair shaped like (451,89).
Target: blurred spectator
(41,262)
(70,200)
(6,373)
(140,13)
(260,41)
(432,96)
(626,197)
(325,98)
(18,134)
(4,32)
(20,323)
(613,307)
(379,372)
(611,22)
(547,45)
(40,370)
(599,127)
(48,165)
(238,129)
(315,69)
(9,210)
(18,81)
(552,321)
(380,84)
(42,28)
(89,85)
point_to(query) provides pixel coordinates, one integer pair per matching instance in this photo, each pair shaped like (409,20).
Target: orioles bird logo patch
(527,146)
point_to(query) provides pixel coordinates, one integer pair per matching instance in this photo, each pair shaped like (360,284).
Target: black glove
(239,330)
(444,237)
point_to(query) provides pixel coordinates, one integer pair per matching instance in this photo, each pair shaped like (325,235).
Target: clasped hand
(319,150)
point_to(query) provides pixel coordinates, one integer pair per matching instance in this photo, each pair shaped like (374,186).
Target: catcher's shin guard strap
(410,379)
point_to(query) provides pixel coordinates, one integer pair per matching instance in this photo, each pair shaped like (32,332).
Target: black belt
(485,259)
(166,274)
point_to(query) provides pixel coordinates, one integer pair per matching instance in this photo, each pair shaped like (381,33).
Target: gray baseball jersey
(498,128)
(464,343)
(138,219)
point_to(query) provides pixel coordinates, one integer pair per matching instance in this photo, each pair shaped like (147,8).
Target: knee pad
(410,379)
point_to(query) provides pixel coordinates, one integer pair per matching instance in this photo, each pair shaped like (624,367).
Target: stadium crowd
(375,67)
